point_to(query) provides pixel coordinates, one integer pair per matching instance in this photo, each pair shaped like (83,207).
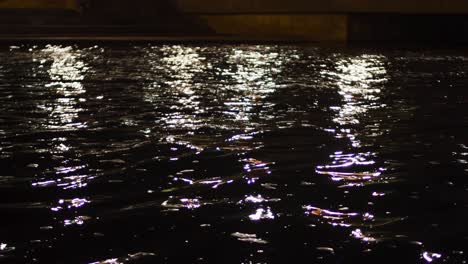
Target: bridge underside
(38,4)
(293,20)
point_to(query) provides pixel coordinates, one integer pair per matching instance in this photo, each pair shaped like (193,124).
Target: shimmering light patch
(67,180)
(108,261)
(347,160)
(461,156)
(344,218)
(255,168)
(357,233)
(251,238)
(79,220)
(44,183)
(5,248)
(351,176)
(73,203)
(183,64)
(189,181)
(247,79)
(240,137)
(331,217)
(326,249)
(183,143)
(368,216)
(362,167)
(359,80)
(67,73)
(257,199)
(66,63)
(255,68)
(178,203)
(429,257)
(184,61)
(67,170)
(74,182)
(253,79)
(61,148)
(261,214)
(328,214)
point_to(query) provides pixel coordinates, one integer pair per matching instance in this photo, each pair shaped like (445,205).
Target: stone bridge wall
(310,20)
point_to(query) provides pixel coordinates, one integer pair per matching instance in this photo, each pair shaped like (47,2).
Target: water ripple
(259,152)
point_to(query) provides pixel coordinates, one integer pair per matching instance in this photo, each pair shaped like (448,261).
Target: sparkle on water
(242,154)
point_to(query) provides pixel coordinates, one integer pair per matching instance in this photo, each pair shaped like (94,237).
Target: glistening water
(233,154)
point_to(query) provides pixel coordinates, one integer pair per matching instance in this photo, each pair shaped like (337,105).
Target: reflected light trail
(67,72)
(358,80)
(181,64)
(253,77)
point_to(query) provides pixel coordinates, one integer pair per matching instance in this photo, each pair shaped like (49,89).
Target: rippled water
(233,154)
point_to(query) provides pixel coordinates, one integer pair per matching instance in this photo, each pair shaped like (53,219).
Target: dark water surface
(233,154)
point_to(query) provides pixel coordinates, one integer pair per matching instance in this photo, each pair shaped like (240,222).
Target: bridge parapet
(290,20)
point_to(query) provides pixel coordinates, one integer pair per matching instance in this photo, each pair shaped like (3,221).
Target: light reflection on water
(66,73)
(359,81)
(184,151)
